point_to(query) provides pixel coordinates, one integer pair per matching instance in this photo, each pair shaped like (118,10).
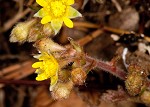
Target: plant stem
(108,67)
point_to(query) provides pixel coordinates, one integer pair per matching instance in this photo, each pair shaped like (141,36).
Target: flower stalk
(109,68)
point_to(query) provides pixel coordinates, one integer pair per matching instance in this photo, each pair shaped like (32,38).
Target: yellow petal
(56,25)
(54,80)
(51,71)
(42,2)
(70,2)
(37,64)
(41,13)
(41,77)
(72,13)
(68,22)
(46,19)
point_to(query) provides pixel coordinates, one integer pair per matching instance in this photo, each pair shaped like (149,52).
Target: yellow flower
(57,12)
(47,67)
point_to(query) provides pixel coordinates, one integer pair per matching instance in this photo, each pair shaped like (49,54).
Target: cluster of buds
(64,66)
(30,31)
(72,67)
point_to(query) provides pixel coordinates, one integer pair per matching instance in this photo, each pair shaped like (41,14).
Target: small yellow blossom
(57,12)
(47,67)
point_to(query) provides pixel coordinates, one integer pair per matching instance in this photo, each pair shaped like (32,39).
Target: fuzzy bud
(135,81)
(47,45)
(35,33)
(39,31)
(78,76)
(62,90)
(64,75)
(21,31)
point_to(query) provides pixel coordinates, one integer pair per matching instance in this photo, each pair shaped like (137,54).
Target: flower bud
(35,33)
(135,81)
(39,31)
(62,90)
(21,30)
(78,76)
(64,75)
(47,45)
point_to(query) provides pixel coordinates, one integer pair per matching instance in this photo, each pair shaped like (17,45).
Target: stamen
(58,8)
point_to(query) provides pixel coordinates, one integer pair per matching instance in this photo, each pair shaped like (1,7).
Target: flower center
(57,8)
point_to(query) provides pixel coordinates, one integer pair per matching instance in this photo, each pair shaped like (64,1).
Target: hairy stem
(109,68)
